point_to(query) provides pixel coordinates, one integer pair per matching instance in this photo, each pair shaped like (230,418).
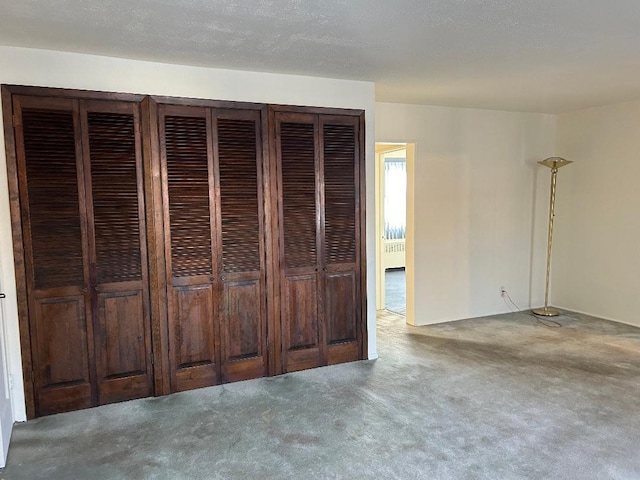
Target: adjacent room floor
(395,290)
(500,397)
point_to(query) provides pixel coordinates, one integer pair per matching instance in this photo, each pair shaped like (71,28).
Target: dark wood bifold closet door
(81,202)
(303,336)
(213,196)
(242,300)
(117,250)
(187,169)
(319,178)
(50,170)
(341,237)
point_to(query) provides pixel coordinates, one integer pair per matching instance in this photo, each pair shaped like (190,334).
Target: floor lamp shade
(554,163)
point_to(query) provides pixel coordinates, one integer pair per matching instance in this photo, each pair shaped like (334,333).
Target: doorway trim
(383,148)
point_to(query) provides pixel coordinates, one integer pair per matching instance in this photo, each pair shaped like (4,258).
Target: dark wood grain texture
(272,227)
(156,246)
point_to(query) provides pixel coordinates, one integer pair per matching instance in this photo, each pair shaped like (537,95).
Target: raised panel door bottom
(243,329)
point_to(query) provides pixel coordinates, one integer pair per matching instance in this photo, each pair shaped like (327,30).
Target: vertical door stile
(271,194)
(141,174)
(168,329)
(83,200)
(86,215)
(216,236)
(321,267)
(155,253)
(262,170)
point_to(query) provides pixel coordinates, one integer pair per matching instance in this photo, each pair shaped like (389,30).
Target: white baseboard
(597,316)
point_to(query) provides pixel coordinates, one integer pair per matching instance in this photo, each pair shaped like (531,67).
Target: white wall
(596,258)
(480,206)
(69,70)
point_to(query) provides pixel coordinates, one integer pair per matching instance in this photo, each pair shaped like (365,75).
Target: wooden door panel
(243,330)
(302,338)
(193,331)
(62,377)
(124,361)
(242,315)
(342,316)
(121,320)
(340,307)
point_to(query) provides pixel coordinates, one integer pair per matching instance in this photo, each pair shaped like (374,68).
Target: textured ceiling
(527,55)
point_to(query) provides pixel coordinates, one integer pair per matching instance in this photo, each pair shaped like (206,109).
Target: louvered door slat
(188,188)
(114,186)
(339,193)
(298,170)
(239,200)
(52,183)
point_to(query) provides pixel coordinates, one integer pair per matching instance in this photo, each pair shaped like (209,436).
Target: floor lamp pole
(554,163)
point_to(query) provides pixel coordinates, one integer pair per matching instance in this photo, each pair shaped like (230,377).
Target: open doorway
(391,205)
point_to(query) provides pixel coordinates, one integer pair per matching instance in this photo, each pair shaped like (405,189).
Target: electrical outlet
(503,291)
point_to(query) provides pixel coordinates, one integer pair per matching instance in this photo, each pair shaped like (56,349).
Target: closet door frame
(8,92)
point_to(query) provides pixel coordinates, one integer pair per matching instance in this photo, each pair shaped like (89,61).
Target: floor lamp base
(546,312)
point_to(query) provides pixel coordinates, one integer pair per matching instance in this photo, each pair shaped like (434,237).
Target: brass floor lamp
(554,163)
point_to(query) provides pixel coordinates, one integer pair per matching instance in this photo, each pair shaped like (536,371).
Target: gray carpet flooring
(395,291)
(500,397)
